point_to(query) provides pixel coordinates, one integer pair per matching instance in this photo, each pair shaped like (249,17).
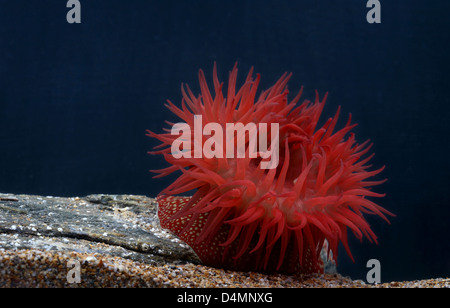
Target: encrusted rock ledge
(116,225)
(116,241)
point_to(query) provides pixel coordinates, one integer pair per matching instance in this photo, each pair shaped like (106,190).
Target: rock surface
(115,225)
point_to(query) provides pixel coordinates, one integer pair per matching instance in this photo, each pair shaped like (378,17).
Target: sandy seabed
(35,268)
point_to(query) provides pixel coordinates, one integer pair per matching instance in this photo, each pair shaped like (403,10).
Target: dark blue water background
(75,99)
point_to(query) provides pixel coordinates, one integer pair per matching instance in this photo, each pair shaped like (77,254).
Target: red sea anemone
(245,217)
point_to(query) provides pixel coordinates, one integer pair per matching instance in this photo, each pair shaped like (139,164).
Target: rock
(123,226)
